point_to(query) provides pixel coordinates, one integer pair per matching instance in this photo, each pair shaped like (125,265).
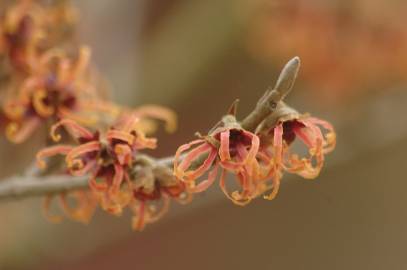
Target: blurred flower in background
(348,48)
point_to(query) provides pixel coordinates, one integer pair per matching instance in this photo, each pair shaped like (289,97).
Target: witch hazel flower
(27,29)
(20,33)
(58,89)
(106,157)
(227,148)
(277,135)
(153,190)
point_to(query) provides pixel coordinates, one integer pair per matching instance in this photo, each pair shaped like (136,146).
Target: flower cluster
(152,191)
(110,159)
(278,135)
(257,160)
(27,29)
(46,83)
(58,88)
(228,148)
(102,143)
(50,87)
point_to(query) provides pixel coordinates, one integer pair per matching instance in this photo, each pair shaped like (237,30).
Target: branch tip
(288,76)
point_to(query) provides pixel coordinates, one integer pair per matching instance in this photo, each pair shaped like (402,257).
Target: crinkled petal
(73,128)
(160,113)
(40,107)
(208,162)
(120,135)
(18,133)
(205,184)
(224,151)
(117,179)
(74,158)
(51,151)
(138,219)
(228,194)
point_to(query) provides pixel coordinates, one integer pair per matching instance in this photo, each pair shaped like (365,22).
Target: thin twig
(18,187)
(29,185)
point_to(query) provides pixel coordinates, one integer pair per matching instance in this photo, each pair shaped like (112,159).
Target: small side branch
(18,187)
(30,186)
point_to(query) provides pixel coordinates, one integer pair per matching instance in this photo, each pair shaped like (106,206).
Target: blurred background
(197,57)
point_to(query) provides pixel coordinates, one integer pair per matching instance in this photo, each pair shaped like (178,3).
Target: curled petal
(155,214)
(275,186)
(193,155)
(95,186)
(243,159)
(330,136)
(40,107)
(18,133)
(117,179)
(304,167)
(205,184)
(244,196)
(145,213)
(232,166)
(73,128)
(14,109)
(120,135)
(87,120)
(142,142)
(330,142)
(266,164)
(194,174)
(306,135)
(29,86)
(46,205)
(160,113)
(278,146)
(224,151)
(114,204)
(184,198)
(63,71)
(254,149)
(84,209)
(80,169)
(73,162)
(83,61)
(178,156)
(138,222)
(128,122)
(51,151)
(312,136)
(222,185)
(181,170)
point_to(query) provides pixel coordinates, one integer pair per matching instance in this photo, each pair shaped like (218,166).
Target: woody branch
(19,187)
